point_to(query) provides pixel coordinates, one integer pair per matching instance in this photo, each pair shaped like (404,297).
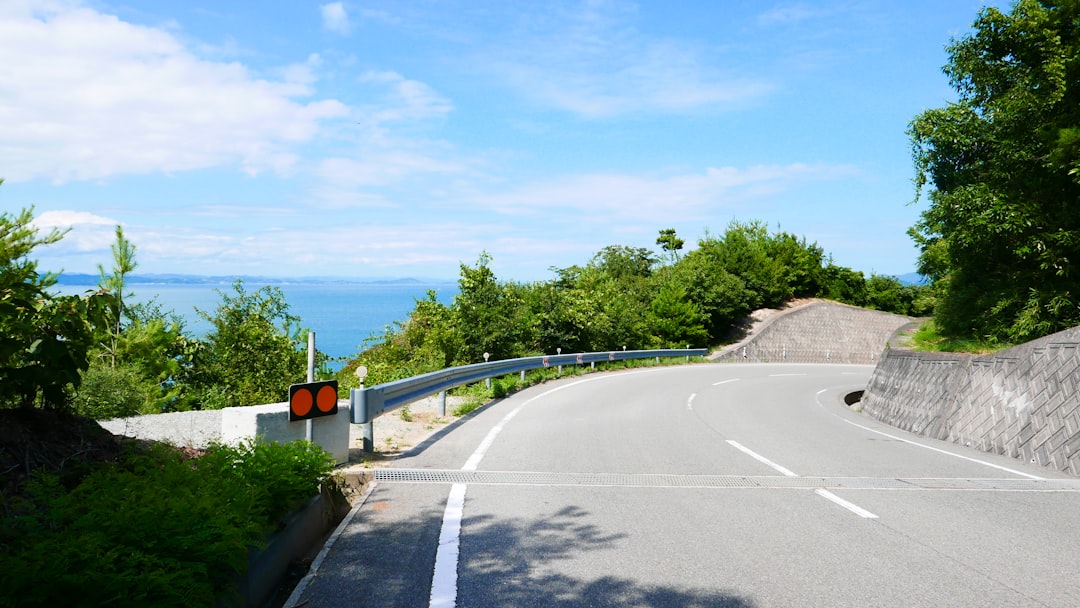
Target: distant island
(77,278)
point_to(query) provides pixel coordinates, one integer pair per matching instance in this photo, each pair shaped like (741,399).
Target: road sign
(312,400)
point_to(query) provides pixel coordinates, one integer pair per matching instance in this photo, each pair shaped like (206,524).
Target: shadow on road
(513,563)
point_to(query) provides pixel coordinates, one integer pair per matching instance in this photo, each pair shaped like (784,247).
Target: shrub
(152,530)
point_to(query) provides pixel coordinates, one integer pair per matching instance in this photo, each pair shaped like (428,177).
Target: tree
(254,351)
(123,253)
(675,321)
(1001,236)
(488,315)
(670,243)
(46,339)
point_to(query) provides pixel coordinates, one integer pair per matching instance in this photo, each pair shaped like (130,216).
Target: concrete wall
(234,424)
(1022,402)
(818,332)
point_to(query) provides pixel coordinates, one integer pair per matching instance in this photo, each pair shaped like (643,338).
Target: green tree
(1001,236)
(255,349)
(670,243)
(123,254)
(675,321)
(46,339)
(490,317)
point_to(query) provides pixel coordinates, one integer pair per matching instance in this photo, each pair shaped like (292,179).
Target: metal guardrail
(368,403)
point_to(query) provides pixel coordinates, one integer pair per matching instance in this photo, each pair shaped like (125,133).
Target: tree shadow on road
(514,562)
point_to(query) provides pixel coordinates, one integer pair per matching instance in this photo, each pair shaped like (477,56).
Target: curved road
(705,485)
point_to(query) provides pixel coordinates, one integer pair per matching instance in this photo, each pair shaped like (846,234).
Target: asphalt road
(707,485)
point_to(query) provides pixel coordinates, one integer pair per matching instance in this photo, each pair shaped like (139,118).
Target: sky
(374,139)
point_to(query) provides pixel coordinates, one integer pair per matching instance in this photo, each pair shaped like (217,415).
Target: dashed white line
(690,402)
(760,458)
(725,381)
(854,508)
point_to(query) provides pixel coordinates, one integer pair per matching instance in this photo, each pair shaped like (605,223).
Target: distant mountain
(76,278)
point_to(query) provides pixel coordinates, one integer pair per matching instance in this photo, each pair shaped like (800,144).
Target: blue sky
(374,139)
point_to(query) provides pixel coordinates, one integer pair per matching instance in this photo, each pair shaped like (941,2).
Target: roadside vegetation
(1000,168)
(625,297)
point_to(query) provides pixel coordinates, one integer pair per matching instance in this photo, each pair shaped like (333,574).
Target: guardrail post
(487,381)
(558,351)
(523,375)
(442,404)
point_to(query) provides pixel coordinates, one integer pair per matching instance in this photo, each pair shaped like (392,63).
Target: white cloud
(86,232)
(591,63)
(402,99)
(634,198)
(334,18)
(84,95)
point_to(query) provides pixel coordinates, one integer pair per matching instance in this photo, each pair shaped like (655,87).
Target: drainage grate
(643,480)
(669,481)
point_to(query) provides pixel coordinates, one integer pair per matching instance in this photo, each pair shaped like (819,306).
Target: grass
(928,338)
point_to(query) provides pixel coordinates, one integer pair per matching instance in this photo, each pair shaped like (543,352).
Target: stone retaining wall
(818,332)
(1022,402)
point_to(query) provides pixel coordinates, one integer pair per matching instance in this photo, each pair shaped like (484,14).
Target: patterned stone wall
(818,332)
(1022,402)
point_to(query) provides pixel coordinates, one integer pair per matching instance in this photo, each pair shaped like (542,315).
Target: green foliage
(255,348)
(721,297)
(490,318)
(929,337)
(152,530)
(46,339)
(113,392)
(746,251)
(676,322)
(123,252)
(1001,166)
(622,298)
(670,243)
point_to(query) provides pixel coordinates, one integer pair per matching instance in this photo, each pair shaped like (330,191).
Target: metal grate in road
(641,480)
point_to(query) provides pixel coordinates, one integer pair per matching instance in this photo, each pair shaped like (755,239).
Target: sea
(344,315)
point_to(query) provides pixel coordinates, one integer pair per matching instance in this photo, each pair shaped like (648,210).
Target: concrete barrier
(1023,402)
(234,424)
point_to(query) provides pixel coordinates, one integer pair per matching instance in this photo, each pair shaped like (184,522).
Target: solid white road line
(444,581)
(922,445)
(760,458)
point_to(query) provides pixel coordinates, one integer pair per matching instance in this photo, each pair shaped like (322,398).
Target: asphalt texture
(707,485)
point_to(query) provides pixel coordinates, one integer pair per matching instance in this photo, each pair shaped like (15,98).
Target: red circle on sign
(301,402)
(326,399)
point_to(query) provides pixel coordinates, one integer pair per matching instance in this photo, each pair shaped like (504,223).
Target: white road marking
(481,450)
(690,402)
(760,458)
(444,580)
(725,381)
(784,375)
(854,508)
(931,448)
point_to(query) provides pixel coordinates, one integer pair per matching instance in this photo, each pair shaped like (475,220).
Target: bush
(112,392)
(152,530)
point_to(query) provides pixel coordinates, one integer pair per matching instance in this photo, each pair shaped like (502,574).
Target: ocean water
(342,315)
